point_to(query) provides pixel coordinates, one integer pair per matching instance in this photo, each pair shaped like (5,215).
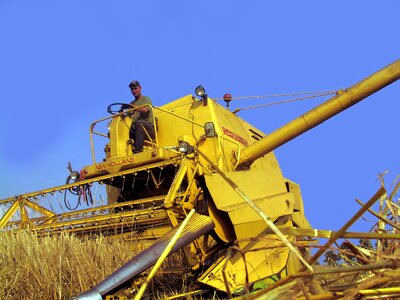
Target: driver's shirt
(143,100)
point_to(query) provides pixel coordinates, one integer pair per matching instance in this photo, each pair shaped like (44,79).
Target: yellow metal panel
(300,220)
(186,117)
(260,264)
(294,188)
(119,133)
(273,206)
(248,223)
(235,134)
(223,228)
(176,119)
(117,164)
(246,230)
(255,184)
(271,197)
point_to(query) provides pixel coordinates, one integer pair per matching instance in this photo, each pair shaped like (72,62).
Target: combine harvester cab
(206,159)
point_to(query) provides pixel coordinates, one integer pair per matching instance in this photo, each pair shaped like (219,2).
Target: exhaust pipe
(197,226)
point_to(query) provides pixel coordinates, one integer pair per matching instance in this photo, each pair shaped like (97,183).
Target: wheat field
(58,267)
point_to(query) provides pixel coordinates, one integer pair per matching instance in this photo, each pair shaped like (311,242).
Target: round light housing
(200,91)
(183,147)
(74,176)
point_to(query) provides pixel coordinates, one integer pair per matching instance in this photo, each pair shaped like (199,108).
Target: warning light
(227,99)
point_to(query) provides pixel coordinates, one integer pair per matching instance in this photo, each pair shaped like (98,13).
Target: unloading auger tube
(343,100)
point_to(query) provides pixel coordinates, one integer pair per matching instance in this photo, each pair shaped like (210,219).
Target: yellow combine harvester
(206,159)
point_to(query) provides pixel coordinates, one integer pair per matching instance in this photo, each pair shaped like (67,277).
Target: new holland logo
(117,163)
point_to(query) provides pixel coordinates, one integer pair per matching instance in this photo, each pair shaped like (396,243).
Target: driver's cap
(134,83)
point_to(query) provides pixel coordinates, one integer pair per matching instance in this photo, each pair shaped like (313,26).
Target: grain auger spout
(343,100)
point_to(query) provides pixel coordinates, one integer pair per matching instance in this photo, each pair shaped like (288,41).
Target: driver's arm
(143,109)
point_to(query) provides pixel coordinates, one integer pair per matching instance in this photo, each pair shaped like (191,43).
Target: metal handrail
(93,132)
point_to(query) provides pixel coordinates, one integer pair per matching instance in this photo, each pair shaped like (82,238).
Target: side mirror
(209,129)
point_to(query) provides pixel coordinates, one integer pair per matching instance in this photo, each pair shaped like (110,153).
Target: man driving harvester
(142,117)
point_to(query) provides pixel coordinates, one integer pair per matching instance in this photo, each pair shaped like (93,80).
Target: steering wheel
(116,108)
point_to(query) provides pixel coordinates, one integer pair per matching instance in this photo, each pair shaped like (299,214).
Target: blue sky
(63,62)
